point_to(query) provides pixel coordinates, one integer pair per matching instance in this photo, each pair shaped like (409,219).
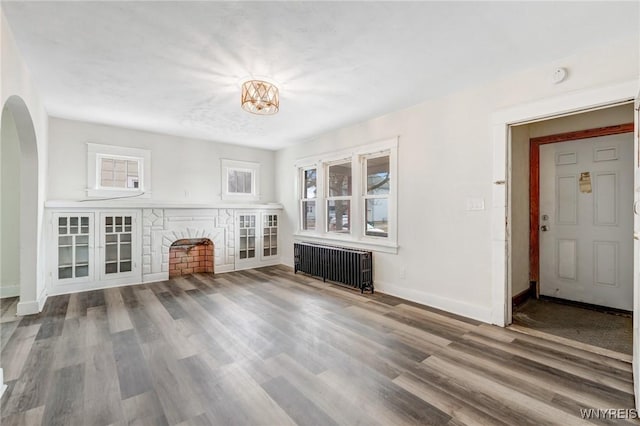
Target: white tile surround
(162,227)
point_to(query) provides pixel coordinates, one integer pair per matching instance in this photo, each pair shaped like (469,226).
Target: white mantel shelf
(150,204)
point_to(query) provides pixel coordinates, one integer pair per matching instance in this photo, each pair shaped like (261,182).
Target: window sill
(379,246)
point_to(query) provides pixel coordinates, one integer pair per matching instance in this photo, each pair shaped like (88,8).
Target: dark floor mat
(602,329)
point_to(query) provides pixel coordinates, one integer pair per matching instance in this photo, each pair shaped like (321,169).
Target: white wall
(10,196)
(445,157)
(16,81)
(182,170)
(601,118)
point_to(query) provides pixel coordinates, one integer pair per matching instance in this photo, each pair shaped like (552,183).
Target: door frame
(534,184)
(501,122)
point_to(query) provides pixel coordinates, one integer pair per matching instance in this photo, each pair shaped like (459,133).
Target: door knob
(544,228)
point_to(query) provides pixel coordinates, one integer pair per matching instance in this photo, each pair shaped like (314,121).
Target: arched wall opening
(19,199)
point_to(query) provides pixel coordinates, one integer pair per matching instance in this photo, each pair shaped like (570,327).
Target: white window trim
(356,238)
(95,152)
(244,166)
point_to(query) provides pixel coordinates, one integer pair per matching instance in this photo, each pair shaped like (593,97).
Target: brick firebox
(188,256)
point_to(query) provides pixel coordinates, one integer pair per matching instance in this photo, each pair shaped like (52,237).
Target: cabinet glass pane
(82,271)
(125,238)
(66,272)
(243,254)
(125,266)
(252,242)
(65,256)
(82,254)
(251,254)
(112,238)
(267,241)
(111,252)
(81,239)
(274,251)
(62,230)
(62,221)
(65,241)
(266,252)
(125,252)
(243,243)
(111,268)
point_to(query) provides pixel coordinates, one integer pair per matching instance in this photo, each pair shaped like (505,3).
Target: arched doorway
(19,202)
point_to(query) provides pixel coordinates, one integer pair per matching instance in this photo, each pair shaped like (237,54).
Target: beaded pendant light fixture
(260,97)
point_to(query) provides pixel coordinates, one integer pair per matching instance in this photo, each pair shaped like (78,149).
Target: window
(309,190)
(352,195)
(117,171)
(120,172)
(339,190)
(240,180)
(376,195)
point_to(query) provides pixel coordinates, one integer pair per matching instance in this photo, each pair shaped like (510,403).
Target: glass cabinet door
(118,233)
(247,236)
(73,244)
(269,235)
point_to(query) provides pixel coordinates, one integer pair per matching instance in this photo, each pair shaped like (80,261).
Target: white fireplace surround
(163,227)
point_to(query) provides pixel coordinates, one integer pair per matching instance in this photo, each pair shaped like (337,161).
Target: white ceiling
(175,67)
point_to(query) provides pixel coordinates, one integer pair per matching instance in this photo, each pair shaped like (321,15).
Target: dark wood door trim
(534,185)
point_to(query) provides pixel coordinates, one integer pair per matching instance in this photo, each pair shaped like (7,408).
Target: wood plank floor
(267,347)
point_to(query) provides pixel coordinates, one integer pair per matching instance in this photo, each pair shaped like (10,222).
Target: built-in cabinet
(105,247)
(257,238)
(90,251)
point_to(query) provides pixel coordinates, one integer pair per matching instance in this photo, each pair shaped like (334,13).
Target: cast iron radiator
(343,265)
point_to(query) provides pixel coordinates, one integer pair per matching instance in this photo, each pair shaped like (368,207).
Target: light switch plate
(475,204)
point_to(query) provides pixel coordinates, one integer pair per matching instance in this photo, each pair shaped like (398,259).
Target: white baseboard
(453,306)
(29,307)
(153,278)
(9,291)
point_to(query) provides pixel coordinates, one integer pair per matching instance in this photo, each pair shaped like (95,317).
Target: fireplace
(190,256)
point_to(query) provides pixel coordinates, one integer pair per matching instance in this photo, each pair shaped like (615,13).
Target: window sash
(114,158)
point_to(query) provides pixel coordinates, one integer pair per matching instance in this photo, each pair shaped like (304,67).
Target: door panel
(586,254)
